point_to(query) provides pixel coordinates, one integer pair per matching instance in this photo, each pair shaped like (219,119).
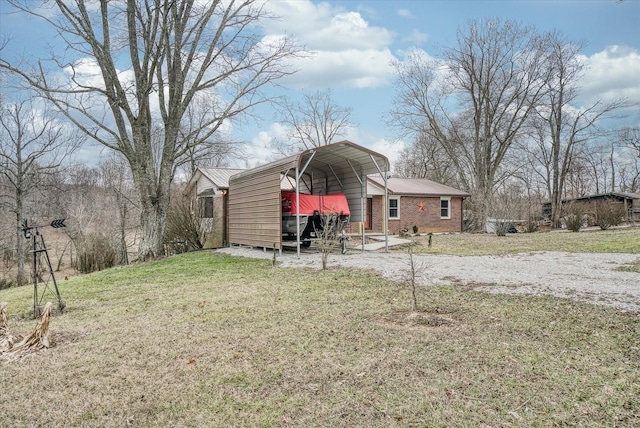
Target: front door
(368,221)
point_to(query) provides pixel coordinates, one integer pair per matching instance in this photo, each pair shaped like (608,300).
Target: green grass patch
(204,339)
(592,241)
(630,267)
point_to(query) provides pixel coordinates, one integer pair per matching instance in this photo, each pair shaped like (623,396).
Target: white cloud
(391,149)
(612,73)
(263,146)
(405,13)
(346,50)
(348,68)
(417,37)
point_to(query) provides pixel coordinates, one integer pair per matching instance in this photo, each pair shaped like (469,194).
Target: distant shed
(630,202)
(255,204)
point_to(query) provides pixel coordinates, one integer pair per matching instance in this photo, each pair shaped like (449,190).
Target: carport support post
(386,211)
(299,173)
(297,212)
(363,207)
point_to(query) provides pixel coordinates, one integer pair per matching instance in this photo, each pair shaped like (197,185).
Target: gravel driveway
(581,276)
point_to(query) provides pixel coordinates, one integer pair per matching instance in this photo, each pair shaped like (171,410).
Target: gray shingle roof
(416,187)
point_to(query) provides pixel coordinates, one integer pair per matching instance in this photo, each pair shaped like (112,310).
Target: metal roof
(219,177)
(416,187)
(343,155)
(621,195)
(255,201)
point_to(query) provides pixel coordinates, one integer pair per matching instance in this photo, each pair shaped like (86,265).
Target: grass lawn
(205,339)
(625,240)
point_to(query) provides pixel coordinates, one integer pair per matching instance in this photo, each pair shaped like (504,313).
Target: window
(394,207)
(206,207)
(445,207)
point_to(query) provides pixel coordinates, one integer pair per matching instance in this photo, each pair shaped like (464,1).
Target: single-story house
(244,207)
(431,206)
(630,202)
(208,190)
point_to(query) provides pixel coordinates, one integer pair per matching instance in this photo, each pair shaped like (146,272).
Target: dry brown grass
(204,339)
(594,240)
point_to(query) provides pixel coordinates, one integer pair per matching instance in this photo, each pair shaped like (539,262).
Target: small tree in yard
(415,269)
(608,213)
(329,236)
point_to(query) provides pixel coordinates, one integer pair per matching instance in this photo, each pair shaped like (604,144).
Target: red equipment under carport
(335,203)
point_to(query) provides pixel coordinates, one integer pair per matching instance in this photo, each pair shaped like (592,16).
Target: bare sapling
(325,235)
(416,268)
(330,236)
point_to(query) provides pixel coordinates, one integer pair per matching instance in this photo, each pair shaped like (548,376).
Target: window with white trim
(445,207)
(394,207)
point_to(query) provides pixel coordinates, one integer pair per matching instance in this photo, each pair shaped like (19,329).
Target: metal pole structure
(385,211)
(32,232)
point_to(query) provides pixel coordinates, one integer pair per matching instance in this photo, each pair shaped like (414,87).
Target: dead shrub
(95,252)
(574,216)
(608,213)
(184,229)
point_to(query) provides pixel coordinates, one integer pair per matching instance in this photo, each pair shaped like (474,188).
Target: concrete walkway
(373,246)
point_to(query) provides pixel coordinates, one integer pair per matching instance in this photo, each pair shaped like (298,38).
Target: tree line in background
(500,116)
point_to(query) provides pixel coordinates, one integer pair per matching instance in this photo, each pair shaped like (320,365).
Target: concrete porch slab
(393,240)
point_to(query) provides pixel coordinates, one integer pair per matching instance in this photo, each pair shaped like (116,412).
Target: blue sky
(354,41)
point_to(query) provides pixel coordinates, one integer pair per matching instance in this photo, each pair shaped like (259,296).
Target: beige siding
(255,210)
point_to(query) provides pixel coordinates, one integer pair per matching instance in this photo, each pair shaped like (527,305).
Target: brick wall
(410,214)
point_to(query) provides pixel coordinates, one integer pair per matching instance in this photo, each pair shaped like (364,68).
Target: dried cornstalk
(6,340)
(4,327)
(39,339)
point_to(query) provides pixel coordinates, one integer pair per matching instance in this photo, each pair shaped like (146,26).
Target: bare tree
(116,179)
(629,171)
(476,102)
(629,136)
(425,158)
(33,144)
(569,128)
(139,63)
(214,151)
(314,122)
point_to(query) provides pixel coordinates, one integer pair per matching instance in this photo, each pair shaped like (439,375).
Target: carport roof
(341,155)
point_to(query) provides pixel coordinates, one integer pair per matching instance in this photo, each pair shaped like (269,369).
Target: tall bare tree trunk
(177,54)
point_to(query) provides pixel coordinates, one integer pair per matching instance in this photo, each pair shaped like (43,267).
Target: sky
(354,42)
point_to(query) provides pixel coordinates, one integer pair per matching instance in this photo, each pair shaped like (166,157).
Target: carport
(255,204)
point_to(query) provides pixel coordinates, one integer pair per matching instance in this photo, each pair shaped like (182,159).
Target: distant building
(630,201)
